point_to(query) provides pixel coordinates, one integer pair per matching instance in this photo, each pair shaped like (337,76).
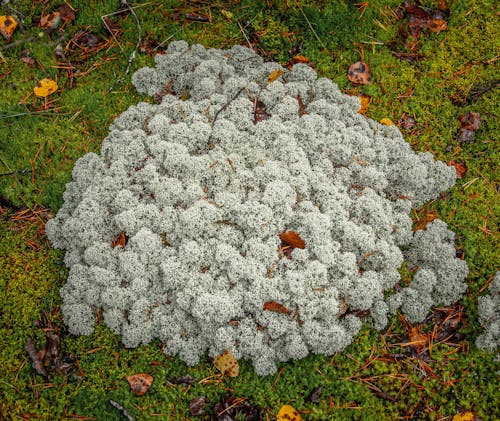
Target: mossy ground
(374,378)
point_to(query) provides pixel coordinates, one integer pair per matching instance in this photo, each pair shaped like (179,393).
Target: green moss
(434,89)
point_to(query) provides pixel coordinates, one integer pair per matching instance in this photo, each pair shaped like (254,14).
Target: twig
(3,116)
(161,44)
(245,35)
(121,408)
(312,29)
(18,172)
(137,44)
(222,109)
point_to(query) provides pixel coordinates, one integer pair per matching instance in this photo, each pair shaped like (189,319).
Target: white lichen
(202,190)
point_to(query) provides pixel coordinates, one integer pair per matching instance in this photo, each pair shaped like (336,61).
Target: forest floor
(430,64)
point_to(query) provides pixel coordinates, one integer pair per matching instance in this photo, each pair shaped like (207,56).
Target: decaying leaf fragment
(292,239)
(426,218)
(386,122)
(359,73)
(45,87)
(7,26)
(288,413)
(120,240)
(274,75)
(227,364)
(276,307)
(140,383)
(460,168)
(364,100)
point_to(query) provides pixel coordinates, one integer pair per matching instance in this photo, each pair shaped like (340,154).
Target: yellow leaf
(227,364)
(365,102)
(7,26)
(275,75)
(288,413)
(45,87)
(464,416)
(387,122)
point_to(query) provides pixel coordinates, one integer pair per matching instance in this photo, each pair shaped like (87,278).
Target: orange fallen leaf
(7,26)
(140,383)
(387,122)
(120,240)
(460,168)
(274,75)
(437,25)
(227,364)
(359,73)
(288,413)
(299,59)
(427,217)
(365,102)
(418,340)
(464,416)
(276,307)
(292,239)
(45,87)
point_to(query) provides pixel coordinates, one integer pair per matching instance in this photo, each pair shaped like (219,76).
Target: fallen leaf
(299,59)
(276,307)
(140,383)
(426,218)
(470,121)
(274,75)
(292,239)
(437,25)
(464,416)
(45,87)
(260,112)
(197,406)
(26,58)
(227,364)
(36,358)
(460,168)
(417,19)
(302,107)
(364,101)
(288,413)
(120,240)
(418,340)
(407,122)
(359,73)
(387,122)
(50,21)
(314,395)
(183,380)
(66,13)
(7,26)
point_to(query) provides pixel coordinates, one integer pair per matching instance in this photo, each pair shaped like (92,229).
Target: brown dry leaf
(359,73)
(197,406)
(227,364)
(427,217)
(464,416)
(302,107)
(66,13)
(50,21)
(276,307)
(460,168)
(365,101)
(298,58)
(274,75)
(288,413)
(292,239)
(470,121)
(120,240)
(260,112)
(45,87)
(418,340)
(140,383)
(437,25)
(7,26)
(387,122)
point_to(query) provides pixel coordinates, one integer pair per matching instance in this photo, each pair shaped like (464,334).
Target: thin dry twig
(137,44)
(311,27)
(125,413)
